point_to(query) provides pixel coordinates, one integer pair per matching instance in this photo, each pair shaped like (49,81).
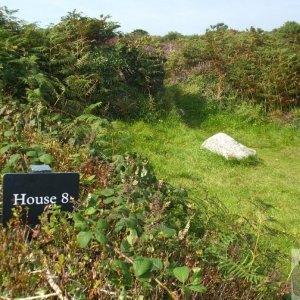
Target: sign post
(33,192)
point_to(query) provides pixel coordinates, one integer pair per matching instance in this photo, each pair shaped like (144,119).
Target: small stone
(226,146)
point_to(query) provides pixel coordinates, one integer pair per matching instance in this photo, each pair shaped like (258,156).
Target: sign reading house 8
(34,191)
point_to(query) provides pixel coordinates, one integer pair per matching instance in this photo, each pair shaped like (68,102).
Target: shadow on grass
(191,107)
(251,161)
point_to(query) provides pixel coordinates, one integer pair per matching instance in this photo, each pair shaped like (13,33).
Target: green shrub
(78,62)
(254,67)
(140,236)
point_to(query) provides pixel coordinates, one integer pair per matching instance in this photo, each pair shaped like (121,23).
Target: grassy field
(173,147)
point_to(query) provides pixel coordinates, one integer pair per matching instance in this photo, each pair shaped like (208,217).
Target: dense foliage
(232,67)
(78,62)
(131,235)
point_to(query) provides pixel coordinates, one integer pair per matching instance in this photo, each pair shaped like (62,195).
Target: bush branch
(172,294)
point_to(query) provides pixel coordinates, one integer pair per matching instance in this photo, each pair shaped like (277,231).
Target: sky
(158,17)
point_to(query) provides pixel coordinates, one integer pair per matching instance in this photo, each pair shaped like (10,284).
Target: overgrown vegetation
(133,236)
(78,62)
(231,67)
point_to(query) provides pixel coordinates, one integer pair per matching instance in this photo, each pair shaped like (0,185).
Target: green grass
(173,147)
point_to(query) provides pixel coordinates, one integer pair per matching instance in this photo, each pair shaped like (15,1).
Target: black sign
(34,191)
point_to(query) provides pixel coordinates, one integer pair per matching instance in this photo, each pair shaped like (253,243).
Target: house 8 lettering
(23,199)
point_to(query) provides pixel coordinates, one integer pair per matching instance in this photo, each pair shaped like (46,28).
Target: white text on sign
(22,199)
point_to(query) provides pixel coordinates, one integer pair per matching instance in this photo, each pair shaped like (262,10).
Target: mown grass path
(173,147)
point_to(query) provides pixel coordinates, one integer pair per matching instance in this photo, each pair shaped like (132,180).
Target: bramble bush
(131,235)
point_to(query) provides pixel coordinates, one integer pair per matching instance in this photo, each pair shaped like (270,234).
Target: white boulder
(226,146)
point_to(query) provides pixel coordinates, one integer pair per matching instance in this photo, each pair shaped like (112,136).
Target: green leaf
(46,159)
(8,133)
(102,224)
(167,231)
(118,200)
(107,192)
(119,225)
(79,221)
(130,222)
(31,153)
(198,288)
(89,179)
(116,264)
(6,148)
(125,247)
(101,238)
(196,277)
(181,273)
(13,159)
(141,266)
(132,237)
(157,264)
(83,238)
(187,292)
(94,198)
(109,200)
(90,211)
(124,267)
